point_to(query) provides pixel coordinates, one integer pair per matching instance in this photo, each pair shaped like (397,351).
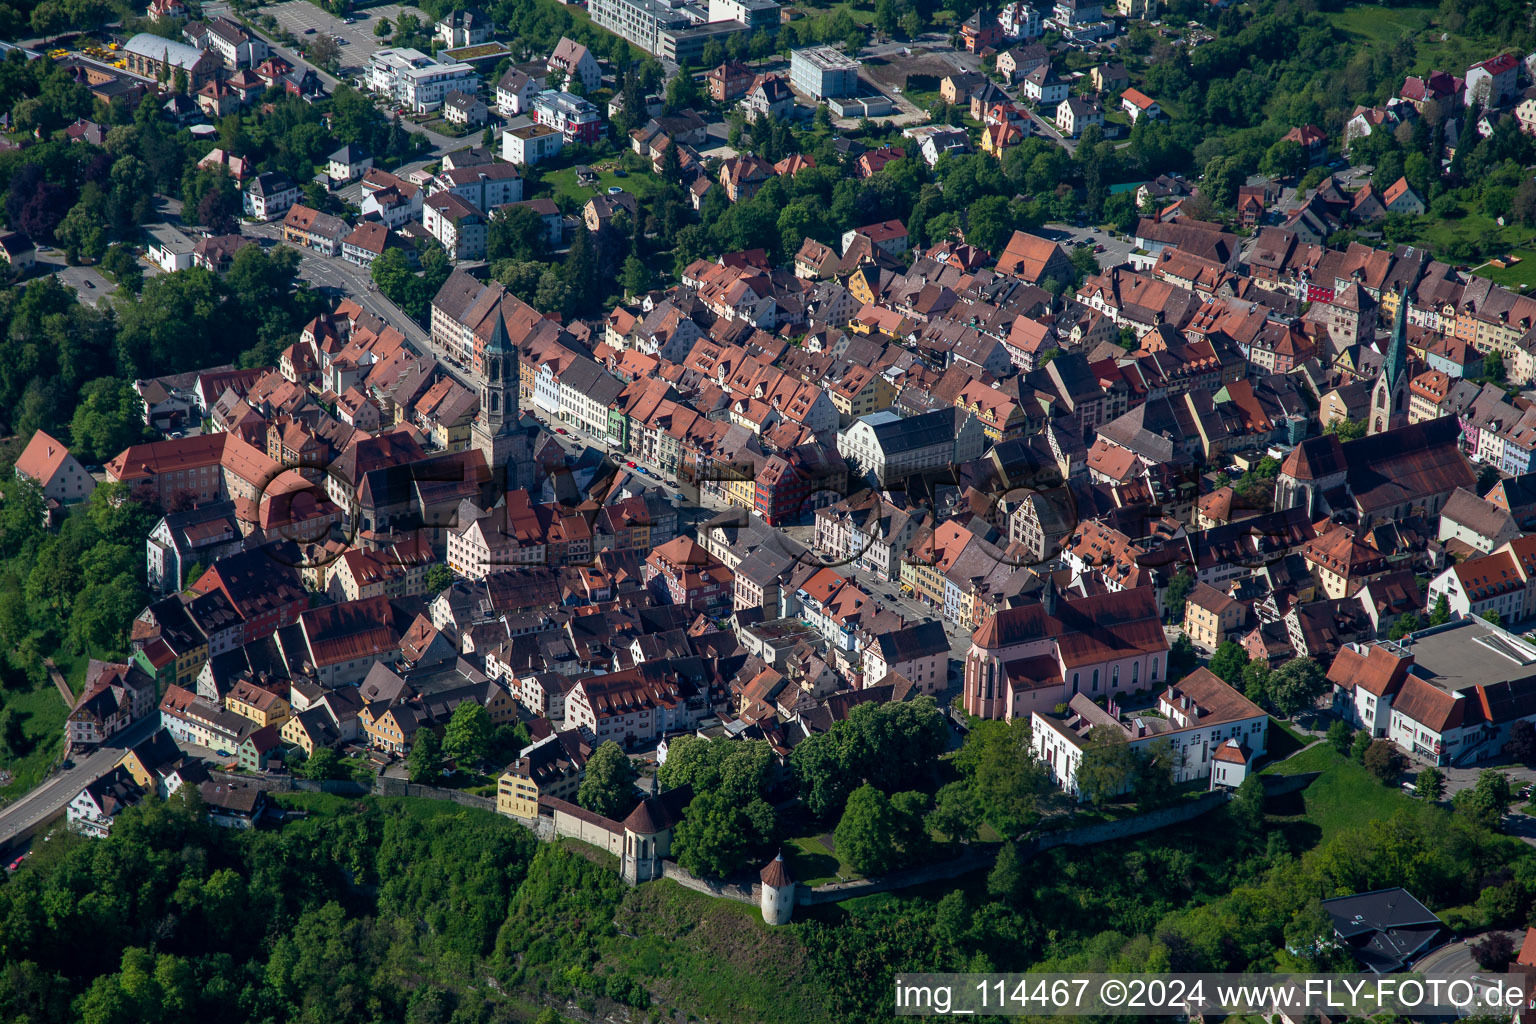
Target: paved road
(48,800)
(88,283)
(337,275)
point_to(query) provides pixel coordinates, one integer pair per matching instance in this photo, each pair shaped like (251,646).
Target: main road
(47,801)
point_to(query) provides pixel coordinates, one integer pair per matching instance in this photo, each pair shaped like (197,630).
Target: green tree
(108,419)
(1340,735)
(467,737)
(1247,806)
(125,269)
(1229,661)
(1152,778)
(1430,785)
(1405,624)
(393,276)
(817,764)
(866,833)
(740,771)
(608,786)
(1175,593)
(1285,159)
(718,836)
(83,231)
(1347,430)
(1441,613)
(635,278)
(424,764)
(1487,801)
(1385,761)
(1084,261)
(1108,766)
(991,222)
(1295,685)
(683,93)
(13,742)
(1359,745)
(517,233)
(1004,778)
(324,763)
(893,746)
(1256,678)
(439,578)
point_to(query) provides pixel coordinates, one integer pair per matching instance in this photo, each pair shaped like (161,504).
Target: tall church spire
(1395,365)
(497,430)
(1389,397)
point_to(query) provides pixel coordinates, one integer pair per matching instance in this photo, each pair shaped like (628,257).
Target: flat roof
(167,237)
(1465,652)
(825,58)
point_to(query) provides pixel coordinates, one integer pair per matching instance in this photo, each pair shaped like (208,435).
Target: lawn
(812,863)
(42,715)
(1346,796)
(1281,741)
(1439,233)
(563,183)
(1317,758)
(1520,275)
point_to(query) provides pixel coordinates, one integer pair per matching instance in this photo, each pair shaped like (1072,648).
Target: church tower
(497,430)
(1389,398)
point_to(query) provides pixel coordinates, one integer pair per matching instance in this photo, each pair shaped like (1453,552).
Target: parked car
(309,31)
(630,465)
(562,431)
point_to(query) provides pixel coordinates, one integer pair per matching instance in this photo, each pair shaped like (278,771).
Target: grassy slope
(43,715)
(1347,796)
(714,957)
(1379,27)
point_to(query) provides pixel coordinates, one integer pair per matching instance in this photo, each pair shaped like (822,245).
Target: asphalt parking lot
(1116,251)
(298,15)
